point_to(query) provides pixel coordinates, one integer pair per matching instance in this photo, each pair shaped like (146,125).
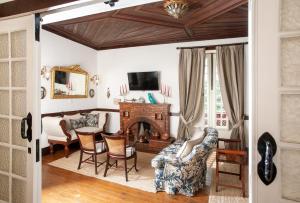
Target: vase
(151,98)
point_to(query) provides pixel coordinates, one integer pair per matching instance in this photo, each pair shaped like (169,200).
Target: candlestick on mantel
(165,90)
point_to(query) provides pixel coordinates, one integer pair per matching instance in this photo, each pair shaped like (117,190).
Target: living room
(148,100)
(111,72)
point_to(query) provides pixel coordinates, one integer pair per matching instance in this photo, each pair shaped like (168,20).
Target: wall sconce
(45,73)
(95,79)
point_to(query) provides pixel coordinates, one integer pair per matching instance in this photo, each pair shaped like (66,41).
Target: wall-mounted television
(144,80)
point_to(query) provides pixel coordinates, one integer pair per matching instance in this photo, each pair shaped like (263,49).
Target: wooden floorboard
(62,186)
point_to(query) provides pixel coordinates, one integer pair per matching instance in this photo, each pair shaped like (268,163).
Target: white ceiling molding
(87,7)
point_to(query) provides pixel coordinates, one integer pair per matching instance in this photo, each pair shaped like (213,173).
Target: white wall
(112,67)
(114,64)
(59,51)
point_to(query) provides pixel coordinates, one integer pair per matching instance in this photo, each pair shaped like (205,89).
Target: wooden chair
(233,156)
(118,150)
(88,145)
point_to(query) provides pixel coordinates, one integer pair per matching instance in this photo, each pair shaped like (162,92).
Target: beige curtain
(191,79)
(230,63)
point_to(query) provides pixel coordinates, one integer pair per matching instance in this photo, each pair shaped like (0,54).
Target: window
(214,114)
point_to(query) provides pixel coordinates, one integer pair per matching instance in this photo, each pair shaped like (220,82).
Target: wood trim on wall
(89,110)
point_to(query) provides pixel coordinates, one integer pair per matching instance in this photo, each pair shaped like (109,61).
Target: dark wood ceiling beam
(188,32)
(213,10)
(146,20)
(23,6)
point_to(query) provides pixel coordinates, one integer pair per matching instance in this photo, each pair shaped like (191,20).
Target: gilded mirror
(69,82)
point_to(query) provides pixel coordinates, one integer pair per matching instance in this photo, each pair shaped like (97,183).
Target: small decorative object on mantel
(165,91)
(133,100)
(141,100)
(107,93)
(151,98)
(43,92)
(92,93)
(176,8)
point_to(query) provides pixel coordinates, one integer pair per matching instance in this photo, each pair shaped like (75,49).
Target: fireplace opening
(142,132)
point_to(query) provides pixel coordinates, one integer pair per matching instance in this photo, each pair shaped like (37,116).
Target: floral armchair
(186,175)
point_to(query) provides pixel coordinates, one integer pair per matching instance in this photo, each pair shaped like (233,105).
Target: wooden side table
(232,156)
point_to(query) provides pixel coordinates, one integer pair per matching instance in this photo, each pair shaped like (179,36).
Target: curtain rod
(211,46)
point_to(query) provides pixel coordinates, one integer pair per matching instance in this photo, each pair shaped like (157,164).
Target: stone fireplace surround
(156,115)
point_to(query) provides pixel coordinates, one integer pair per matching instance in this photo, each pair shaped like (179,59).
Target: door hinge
(37,150)
(37,27)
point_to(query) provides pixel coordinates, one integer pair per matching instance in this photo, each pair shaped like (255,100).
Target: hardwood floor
(62,186)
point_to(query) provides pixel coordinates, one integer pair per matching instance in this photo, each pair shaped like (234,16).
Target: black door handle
(27,134)
(267,149)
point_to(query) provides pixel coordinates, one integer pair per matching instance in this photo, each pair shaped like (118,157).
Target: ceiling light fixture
(176,8)
(111,2)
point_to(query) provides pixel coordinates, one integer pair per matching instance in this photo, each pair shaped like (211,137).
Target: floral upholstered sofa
(184,175)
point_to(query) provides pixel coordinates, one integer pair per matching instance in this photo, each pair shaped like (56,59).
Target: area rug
(226,194)
(142,180)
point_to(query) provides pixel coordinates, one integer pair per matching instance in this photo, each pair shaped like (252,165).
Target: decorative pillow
(187,147)
(78,123)
(102,118)
(68,117)
(198,134)
(92,120)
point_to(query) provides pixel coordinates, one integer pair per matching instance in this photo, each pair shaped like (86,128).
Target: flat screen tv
(143,80)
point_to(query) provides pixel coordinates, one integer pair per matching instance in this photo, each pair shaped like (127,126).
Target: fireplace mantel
(157,115)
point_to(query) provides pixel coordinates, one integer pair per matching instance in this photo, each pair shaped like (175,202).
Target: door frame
(252,64)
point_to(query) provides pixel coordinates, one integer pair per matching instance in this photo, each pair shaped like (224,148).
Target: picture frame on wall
(92,93)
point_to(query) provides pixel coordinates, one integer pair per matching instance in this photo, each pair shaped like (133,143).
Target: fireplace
(146,124)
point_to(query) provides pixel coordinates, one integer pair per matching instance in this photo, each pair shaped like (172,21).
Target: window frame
(212,83)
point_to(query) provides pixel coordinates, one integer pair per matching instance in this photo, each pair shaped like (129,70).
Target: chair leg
(67,151)
(106,167)
(217,175)
(135,160)
(126,176)
(240,171)
(116,163)
(51,148)
(243,180)
(95,159)
(80,159)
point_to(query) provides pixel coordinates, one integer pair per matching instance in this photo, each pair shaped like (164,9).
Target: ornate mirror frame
(69,69)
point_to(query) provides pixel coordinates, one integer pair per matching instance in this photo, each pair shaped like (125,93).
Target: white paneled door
(276,91)
(19,99)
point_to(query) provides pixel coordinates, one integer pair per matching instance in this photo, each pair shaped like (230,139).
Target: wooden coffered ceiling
(150,24)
